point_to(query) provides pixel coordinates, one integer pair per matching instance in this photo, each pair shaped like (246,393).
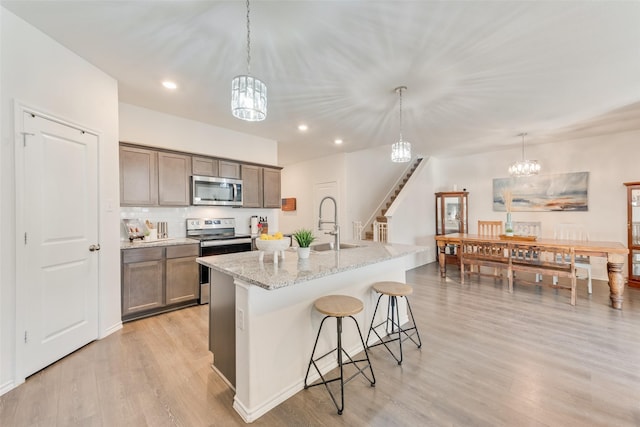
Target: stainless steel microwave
(213,191)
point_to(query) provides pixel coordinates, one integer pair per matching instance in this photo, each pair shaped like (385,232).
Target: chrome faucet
(336,229)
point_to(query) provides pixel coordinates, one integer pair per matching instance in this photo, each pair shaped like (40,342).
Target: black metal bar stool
(393,328)
(339,306)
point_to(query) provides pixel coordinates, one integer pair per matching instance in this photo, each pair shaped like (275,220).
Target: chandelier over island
(524,167)
(401,150)
(248,94)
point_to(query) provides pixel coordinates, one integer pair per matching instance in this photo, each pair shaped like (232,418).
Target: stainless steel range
(217,236)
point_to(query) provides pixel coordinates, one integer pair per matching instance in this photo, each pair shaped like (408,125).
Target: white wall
(298,180)
(364,178)
(147,127)
(370,176)
(42,74)
(610,161)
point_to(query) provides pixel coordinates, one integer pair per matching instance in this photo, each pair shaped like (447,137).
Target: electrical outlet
(240,319)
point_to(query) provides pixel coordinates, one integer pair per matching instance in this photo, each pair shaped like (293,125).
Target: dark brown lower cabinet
(155,280)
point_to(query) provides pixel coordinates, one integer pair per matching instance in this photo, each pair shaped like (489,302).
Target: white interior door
(58,296)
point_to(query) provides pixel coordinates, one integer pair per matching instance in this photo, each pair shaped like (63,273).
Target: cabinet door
(227,169)
(138,177)
(142,280)
(271,188)
(182,277)
(251,186)
(174,171)
(204,166)
(182,280)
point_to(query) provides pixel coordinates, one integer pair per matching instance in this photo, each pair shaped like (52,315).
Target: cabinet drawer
(144,254)
(183,251)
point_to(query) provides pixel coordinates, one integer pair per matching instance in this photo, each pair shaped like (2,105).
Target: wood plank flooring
(489,358)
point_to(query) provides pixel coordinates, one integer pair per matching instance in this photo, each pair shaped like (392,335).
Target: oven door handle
(210,243)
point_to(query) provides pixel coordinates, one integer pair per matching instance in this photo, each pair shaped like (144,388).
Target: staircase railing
(379,231)
(381,206)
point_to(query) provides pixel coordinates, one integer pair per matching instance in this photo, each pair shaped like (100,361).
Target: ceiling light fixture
(524,167)
(401,150)
(248,94)
(169,84)
(303,128)
(338,141)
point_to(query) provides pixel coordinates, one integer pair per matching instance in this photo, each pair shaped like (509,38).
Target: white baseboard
(250,415)
(111,329)
(8,386)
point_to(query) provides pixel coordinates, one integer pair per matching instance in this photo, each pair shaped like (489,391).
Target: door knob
(94,248)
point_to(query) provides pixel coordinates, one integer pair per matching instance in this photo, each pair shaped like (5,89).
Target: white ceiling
(477,72)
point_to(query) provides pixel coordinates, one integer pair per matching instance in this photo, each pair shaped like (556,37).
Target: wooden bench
(543,260)
(520,257)
(483,254)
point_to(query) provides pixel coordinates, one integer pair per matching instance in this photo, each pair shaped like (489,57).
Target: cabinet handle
(93,248)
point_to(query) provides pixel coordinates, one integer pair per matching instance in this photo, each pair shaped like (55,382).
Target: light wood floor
(489,358)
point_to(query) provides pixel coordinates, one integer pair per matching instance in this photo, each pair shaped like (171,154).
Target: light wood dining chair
(572,231)
(528,228)
(490,228)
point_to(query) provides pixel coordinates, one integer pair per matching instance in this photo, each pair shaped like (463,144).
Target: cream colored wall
(44,75)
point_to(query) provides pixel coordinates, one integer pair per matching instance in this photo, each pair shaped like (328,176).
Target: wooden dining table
(614,252)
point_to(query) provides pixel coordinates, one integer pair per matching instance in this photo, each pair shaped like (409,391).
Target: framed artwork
(554,192)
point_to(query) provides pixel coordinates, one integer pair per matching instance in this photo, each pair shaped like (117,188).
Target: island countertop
(292,270)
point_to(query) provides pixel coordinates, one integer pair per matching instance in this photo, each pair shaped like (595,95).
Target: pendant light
(401,150)
(248,94)
(524,167)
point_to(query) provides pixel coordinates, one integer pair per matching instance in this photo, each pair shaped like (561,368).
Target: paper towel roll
(254,225)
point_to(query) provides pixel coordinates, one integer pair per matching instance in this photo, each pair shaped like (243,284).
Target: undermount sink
(321,247)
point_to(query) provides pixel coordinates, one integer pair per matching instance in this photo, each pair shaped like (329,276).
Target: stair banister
(387,197)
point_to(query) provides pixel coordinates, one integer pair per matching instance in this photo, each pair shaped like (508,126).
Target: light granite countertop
(137,244)
(291,270)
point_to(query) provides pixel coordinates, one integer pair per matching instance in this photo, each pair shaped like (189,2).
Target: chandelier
(248,94)
(524,167)
(401,150)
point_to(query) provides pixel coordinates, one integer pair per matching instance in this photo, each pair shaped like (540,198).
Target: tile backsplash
(176,217)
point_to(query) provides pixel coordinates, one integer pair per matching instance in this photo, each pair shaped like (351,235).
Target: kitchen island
(262,321)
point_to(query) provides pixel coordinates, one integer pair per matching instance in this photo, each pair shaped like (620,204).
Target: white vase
(303,253)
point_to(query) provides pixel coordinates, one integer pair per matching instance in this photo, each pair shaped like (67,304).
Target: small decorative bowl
(273,245)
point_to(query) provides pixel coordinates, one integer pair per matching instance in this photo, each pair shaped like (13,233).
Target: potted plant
(303,237)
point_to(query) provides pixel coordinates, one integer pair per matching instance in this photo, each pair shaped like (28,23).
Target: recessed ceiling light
(303,128)
(169,84)
(337,141)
